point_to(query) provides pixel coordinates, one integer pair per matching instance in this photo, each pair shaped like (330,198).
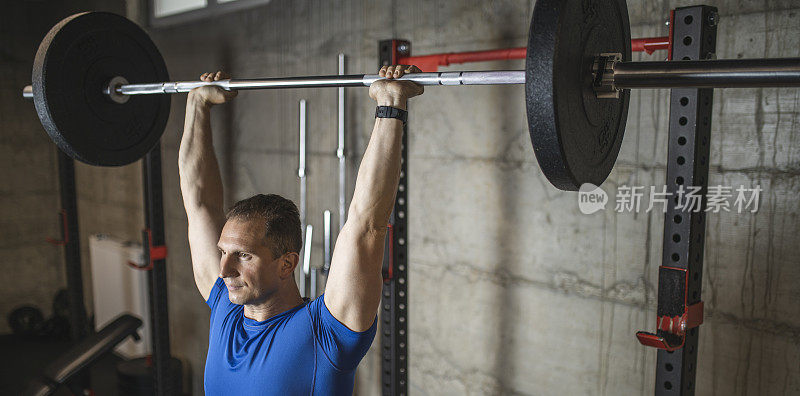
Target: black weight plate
(26,320)
(575,135)
(74,61)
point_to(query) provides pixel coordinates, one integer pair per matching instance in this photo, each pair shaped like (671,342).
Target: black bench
(83,354)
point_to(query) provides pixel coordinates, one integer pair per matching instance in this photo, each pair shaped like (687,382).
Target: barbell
(99,83)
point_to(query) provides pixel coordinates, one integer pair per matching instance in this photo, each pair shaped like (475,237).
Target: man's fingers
(214,76)
(413,69)
(382,71)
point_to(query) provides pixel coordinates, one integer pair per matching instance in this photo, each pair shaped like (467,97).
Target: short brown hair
(281,219)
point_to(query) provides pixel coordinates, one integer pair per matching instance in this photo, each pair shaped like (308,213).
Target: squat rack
(679,281)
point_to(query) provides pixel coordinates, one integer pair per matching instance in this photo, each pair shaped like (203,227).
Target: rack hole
(682,140)
(681,160)
(688,20)
(677,219)
(687,58)
(684,101)
(683,120)
(667,385)
(687,40)
(668,367)
(679,180)
(676,238)
(675,257)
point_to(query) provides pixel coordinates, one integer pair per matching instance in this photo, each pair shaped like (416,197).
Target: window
(170,12)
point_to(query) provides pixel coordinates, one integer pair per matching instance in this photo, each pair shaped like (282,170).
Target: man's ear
(288,262)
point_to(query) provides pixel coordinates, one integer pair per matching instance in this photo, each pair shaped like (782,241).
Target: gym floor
(512,289)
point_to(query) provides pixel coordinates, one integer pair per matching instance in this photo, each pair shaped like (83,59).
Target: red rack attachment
(675,316)
(431,63)
(65,231)
(152,253)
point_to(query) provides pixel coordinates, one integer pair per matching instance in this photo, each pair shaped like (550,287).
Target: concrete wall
(512,289)
(33,270)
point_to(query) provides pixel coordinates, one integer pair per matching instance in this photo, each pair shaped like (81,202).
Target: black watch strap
(391,112)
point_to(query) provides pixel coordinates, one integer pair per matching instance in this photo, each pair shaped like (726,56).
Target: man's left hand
(390,92)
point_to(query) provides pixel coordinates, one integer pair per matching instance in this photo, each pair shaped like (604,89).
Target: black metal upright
(70,239)
(693,32)
(157,281)
(394,302)
(72,246)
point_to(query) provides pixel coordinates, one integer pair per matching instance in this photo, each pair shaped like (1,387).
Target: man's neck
(276,304)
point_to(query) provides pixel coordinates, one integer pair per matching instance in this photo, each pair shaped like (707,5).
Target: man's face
(246,265)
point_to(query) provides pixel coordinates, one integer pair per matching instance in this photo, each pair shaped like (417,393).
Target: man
(264,338)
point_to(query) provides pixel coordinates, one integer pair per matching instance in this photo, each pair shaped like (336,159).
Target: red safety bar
(431,63)
(650,44)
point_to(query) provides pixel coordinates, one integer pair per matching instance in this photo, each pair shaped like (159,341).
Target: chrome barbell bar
(616,75)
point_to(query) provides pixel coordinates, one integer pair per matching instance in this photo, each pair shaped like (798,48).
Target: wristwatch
(391,112)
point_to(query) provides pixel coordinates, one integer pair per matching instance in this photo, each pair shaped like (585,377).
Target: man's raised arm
(353,291)
(201,183)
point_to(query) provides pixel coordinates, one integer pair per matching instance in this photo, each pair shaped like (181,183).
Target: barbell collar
(722,73)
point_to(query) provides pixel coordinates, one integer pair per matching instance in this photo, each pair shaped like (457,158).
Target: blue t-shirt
(303,351)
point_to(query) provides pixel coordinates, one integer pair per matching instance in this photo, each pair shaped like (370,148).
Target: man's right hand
(212,95)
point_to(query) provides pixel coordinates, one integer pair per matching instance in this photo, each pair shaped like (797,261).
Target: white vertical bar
(301,173)
(307,250)
(326,266)
(340,149)
(301,169)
